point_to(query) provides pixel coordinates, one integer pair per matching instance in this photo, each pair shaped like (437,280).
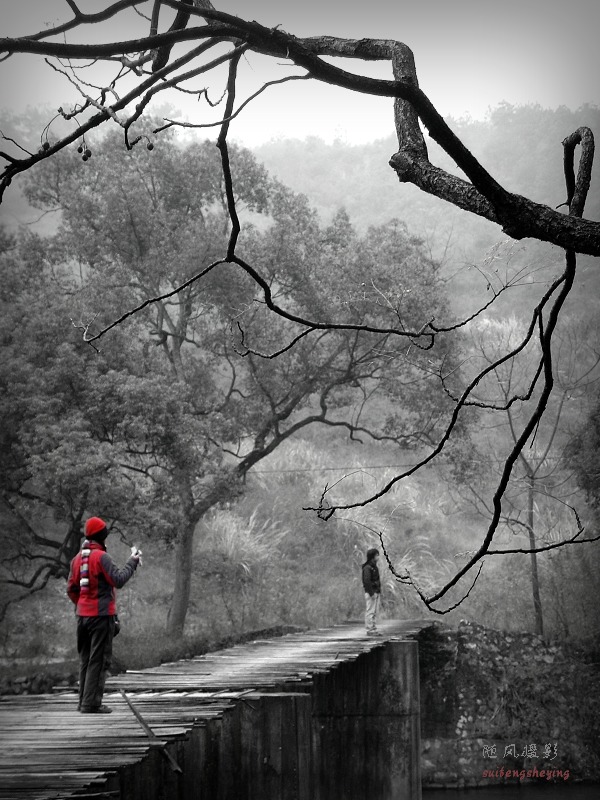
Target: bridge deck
(49,750)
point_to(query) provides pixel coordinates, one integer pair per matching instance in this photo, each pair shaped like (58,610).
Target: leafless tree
(207,38)
(538,500)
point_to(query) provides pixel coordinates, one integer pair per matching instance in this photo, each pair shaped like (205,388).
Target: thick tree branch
(577,190)
(518,216)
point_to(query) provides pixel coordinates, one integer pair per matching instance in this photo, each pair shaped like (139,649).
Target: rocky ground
(502,707)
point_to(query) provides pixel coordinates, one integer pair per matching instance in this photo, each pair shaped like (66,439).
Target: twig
(151,735)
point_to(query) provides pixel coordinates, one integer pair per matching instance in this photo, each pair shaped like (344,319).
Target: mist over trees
(259,318)
(177,409)
(521,145)
(164,392)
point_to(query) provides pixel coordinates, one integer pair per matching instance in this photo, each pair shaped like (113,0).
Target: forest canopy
(279,313)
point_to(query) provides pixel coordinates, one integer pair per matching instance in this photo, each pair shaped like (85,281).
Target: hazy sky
(470,55)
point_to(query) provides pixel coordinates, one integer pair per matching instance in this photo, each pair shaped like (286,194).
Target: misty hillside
(260,559)
(520,146)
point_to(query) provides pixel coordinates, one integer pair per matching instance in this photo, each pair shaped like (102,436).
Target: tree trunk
(184,552)
(535,582)
(182,580)
(226,487)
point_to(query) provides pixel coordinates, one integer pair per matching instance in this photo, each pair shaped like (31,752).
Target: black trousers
(94,645)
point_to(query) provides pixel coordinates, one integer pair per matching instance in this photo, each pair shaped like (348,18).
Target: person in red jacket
(93,578)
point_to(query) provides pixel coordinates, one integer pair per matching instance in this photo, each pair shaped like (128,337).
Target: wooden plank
(154,740)
(46,747)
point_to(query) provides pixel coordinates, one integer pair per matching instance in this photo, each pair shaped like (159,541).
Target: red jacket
(93,578)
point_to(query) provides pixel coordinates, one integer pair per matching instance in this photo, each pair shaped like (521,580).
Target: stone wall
(499,707)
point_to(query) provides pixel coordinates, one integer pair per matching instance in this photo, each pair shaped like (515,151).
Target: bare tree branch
(481,194)
(518,216)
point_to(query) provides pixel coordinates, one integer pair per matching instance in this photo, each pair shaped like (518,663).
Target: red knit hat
(93,526)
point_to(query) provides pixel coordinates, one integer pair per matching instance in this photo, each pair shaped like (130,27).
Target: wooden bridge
(329,714)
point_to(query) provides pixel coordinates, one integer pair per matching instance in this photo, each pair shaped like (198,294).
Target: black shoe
(96,710)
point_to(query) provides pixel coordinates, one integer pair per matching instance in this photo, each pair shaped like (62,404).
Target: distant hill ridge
(521,146)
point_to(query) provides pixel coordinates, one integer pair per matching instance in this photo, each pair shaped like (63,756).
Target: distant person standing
(93,579)
(372,585)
